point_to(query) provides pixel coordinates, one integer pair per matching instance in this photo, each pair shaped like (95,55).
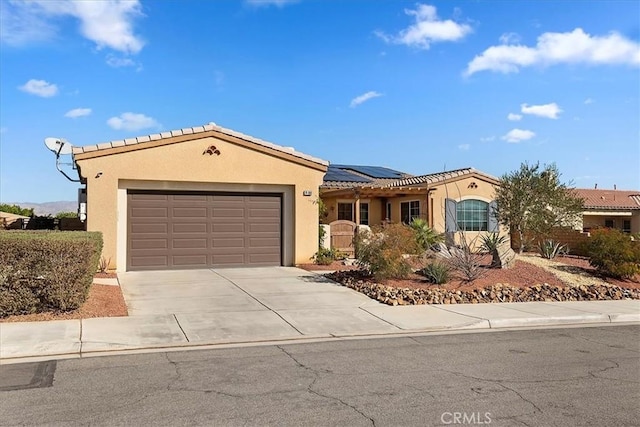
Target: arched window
(472,215)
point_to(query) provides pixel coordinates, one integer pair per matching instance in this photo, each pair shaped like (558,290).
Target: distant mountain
(48,208)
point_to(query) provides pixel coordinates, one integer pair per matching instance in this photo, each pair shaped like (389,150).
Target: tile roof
(437,177)
(196,130)
(609,199)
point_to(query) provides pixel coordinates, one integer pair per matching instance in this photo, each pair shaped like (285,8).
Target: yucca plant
(550,249)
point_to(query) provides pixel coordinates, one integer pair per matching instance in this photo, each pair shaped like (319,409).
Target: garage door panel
(189,212)
(148,261)
(228,259)
(264,242)
(191,243)
(148,212)
(227,213)
(149,244)
(191,227)
(203,230)
(228,227)
(268,227)
(189,260)
(228,243)
(148,228)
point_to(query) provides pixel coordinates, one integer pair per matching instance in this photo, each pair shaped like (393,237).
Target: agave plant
(491,241)
(550,249)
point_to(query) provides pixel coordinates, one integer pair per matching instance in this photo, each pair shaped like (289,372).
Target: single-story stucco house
(449,201)
(201,197)
(618,209)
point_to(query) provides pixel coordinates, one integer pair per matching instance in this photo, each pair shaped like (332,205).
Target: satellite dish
(58,145)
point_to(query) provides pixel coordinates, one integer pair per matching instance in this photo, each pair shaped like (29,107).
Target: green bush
(613,253)
(550,249)
(382,252)
(436,272)
(325,256)
(46,271)
(425,236)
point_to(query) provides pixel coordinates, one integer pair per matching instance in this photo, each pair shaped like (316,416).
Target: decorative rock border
(495,293)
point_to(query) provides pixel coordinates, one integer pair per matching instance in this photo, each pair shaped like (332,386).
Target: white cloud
(118,62)
(427,29)
(39,88)
(518,135)
(364,98)
(510,38)
(549,111)
(464,147)
(132,122)
(514,117)
(488,138)
(107,23)
(575,47)
(589,101)
(78,112)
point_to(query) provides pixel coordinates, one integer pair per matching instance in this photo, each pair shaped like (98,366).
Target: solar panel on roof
(375,171)
(336,174)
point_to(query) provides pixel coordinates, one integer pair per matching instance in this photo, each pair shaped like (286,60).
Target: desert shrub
(383,251)
(613,253)
(469,264)
(425,236)
(46,271)
(550,249)
(325,256)
(436,272)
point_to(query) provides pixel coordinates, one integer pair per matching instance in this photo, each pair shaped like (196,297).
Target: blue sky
(417,87)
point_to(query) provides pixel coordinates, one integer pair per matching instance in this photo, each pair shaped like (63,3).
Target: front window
(608,223)
(472,215)
(388,218)
(626,226)
(364,213)
(345,211)
(409,211)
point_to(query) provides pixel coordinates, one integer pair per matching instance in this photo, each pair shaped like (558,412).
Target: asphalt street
(551,377)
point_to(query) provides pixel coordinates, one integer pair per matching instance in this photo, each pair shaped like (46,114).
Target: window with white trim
(470,215)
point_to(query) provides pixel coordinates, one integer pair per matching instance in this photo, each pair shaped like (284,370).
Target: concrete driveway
(249,303)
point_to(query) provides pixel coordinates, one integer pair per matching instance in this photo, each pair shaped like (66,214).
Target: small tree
(534,200)
(16,210)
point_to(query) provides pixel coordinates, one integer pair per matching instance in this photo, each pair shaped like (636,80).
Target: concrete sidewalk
(286,304)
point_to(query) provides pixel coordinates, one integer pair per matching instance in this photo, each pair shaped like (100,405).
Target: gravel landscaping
(532,279)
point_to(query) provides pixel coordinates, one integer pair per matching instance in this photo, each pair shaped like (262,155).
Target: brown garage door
(196,230)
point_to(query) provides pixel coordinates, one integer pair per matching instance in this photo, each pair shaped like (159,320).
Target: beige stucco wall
(592,220)
(182,166)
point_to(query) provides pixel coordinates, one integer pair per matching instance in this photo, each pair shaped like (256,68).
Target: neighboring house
(450,201)
(611,209)
(201,197)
